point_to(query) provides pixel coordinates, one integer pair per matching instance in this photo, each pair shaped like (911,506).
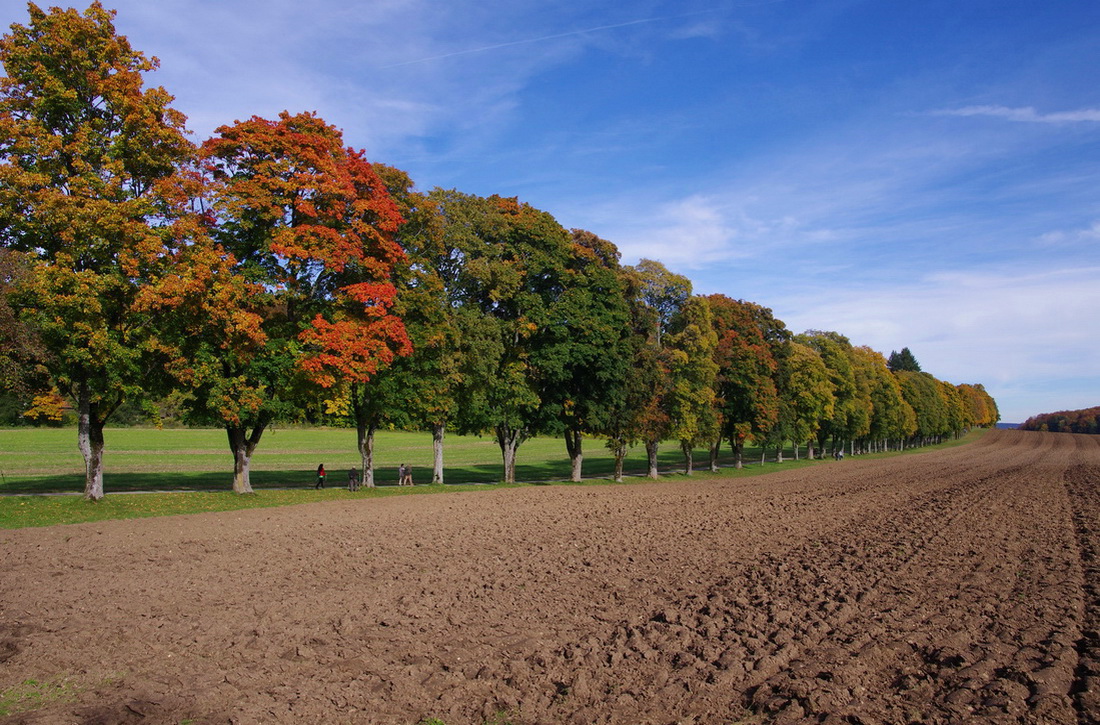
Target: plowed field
(952,586)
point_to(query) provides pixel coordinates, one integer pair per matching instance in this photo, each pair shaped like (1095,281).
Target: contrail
(542,39)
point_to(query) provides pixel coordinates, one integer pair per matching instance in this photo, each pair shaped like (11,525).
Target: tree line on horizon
(271,272)
(1086,420)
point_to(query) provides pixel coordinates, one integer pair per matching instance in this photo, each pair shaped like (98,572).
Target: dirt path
(954,586)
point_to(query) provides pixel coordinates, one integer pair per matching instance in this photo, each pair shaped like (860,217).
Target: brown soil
(954,586)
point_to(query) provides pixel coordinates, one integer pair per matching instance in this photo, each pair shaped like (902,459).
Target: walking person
(408,477)
(401,475)
(320,477)
(353,479)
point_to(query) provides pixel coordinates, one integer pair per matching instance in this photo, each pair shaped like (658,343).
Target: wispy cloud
(1026,114)
(1060,237)
(542,39)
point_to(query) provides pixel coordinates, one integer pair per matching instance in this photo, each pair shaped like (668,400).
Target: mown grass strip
(208,492)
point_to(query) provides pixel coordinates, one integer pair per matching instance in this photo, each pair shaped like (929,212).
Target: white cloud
(1061,237)
(1025,114)
(697,231)
(1012,331)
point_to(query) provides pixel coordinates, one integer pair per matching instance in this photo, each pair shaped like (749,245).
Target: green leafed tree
(631,402)
(903,361)
(88,163)
(507,266)
(584,350)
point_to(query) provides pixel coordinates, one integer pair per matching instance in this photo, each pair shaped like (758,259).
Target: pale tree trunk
(651,455)
(89,438)
(797,446)
(779,452)
(619,452)
(576,454)
(364,433)
(810,449)
(243,446)
(509,439)
(738,453)
(715,449)
(437,451)
(688,464)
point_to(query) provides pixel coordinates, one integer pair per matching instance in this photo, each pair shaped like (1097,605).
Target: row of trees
(1086,420)
(272,269)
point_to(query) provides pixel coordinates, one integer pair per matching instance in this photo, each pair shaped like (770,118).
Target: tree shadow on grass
(489,473)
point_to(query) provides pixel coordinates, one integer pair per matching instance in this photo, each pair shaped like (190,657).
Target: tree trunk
(364,433)
(509,439)
(688,463)
(620,455)
(810,452)
(243,446)
(715,448)
(437,451)
(738,453)
(779,452)
(651,455)
(796,447)
(576,454)
(89,438)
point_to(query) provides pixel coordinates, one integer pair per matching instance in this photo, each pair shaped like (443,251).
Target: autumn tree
(892,418)
(747,400)
(693,371)
(850,418)
(805,396)
(660,298)
(87,155)
(21,350)
(310,225)
(982,408)
(925,395)
(1084,421)
(418,390)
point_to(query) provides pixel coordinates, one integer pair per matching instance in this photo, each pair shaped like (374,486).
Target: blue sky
(908,174)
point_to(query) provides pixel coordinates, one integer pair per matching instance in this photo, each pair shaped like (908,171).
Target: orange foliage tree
(88,158)
(303,228)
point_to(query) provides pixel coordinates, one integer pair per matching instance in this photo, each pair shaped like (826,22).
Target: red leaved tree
(306,223)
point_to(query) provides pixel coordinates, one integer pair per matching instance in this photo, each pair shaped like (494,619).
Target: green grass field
(38,460)
(190,470)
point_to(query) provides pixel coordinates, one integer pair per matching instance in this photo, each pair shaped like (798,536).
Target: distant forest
(1066,421)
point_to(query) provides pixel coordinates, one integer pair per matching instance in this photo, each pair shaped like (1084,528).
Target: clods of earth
(960,585)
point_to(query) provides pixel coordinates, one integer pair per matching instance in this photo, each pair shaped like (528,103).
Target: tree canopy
(88,194)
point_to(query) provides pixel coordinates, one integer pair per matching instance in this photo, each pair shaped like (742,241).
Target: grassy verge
(195,491)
